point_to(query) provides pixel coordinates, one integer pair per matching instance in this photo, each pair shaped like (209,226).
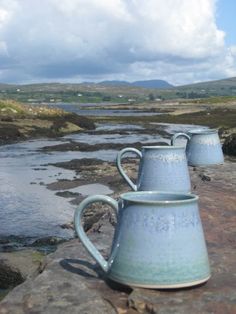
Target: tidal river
(28,210)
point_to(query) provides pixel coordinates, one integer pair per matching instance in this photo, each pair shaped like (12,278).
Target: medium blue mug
(203,147)
(158,240)
(161,168)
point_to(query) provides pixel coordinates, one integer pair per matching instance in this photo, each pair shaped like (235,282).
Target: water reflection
(97,110)
(88,189)
(27,208)
(128,137)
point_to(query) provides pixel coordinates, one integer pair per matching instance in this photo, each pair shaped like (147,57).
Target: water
(175,128)
(83,110)
(117,126)
(88,189)
(27,207)
(116,138)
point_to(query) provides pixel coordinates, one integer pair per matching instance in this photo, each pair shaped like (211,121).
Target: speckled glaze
(162,168)
(158,241)
(203,147)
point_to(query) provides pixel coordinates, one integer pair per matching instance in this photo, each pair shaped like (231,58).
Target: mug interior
(167,146)
(155,197)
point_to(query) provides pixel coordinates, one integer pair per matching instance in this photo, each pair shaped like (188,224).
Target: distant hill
(224,87)
(115,91)
(145,84)
(225,83)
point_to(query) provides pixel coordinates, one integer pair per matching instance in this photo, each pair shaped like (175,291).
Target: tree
(151,97)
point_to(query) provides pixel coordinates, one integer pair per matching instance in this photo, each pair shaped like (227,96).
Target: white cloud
(176,40)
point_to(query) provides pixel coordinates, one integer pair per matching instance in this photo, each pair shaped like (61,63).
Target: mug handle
(121,170)
(80,231)
(175,136)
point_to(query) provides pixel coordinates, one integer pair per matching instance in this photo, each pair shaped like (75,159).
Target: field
(101,92)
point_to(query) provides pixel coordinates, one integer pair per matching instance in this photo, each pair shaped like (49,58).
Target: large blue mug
(161,168)
(203,147)
(158,240)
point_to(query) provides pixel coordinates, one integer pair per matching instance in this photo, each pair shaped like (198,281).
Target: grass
(11,106)
(18,110)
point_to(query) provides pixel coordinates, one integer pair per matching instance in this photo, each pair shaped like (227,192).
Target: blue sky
(226,19)
(180,41)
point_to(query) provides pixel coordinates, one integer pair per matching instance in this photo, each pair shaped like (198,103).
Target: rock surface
(72,282)
(15,267)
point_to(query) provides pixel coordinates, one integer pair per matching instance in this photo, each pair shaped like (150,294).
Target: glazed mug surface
(161,168)
(203,147)
(158,240)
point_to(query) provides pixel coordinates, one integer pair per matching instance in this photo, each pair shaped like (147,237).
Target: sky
(180,41)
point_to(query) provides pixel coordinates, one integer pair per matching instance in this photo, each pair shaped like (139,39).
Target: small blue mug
(203,147)
(161,168)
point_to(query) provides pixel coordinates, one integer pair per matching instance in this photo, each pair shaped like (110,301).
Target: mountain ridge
(162,84)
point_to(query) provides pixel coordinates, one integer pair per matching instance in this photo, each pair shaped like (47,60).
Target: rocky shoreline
(76,283)
(69,280)
(20,122)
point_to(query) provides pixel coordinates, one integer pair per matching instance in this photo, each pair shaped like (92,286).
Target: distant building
(32,100)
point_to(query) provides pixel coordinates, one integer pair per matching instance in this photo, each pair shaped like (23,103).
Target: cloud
(75,40)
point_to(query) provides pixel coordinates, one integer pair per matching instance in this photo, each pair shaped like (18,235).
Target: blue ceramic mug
(158,240)
(203,147)
(161,168)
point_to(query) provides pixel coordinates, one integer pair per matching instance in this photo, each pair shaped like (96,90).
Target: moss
(38,257)
(70,128)
(3,293)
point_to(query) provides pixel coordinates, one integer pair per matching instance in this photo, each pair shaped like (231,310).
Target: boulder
(48,241)
(229,146)
(15,267)
(9,276)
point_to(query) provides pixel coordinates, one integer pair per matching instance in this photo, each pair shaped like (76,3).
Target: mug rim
(164,146)
(187,197)
(202,131)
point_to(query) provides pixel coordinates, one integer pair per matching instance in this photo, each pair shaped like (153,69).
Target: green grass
(207,91)
(215,100)
(11,106)
(17,109)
